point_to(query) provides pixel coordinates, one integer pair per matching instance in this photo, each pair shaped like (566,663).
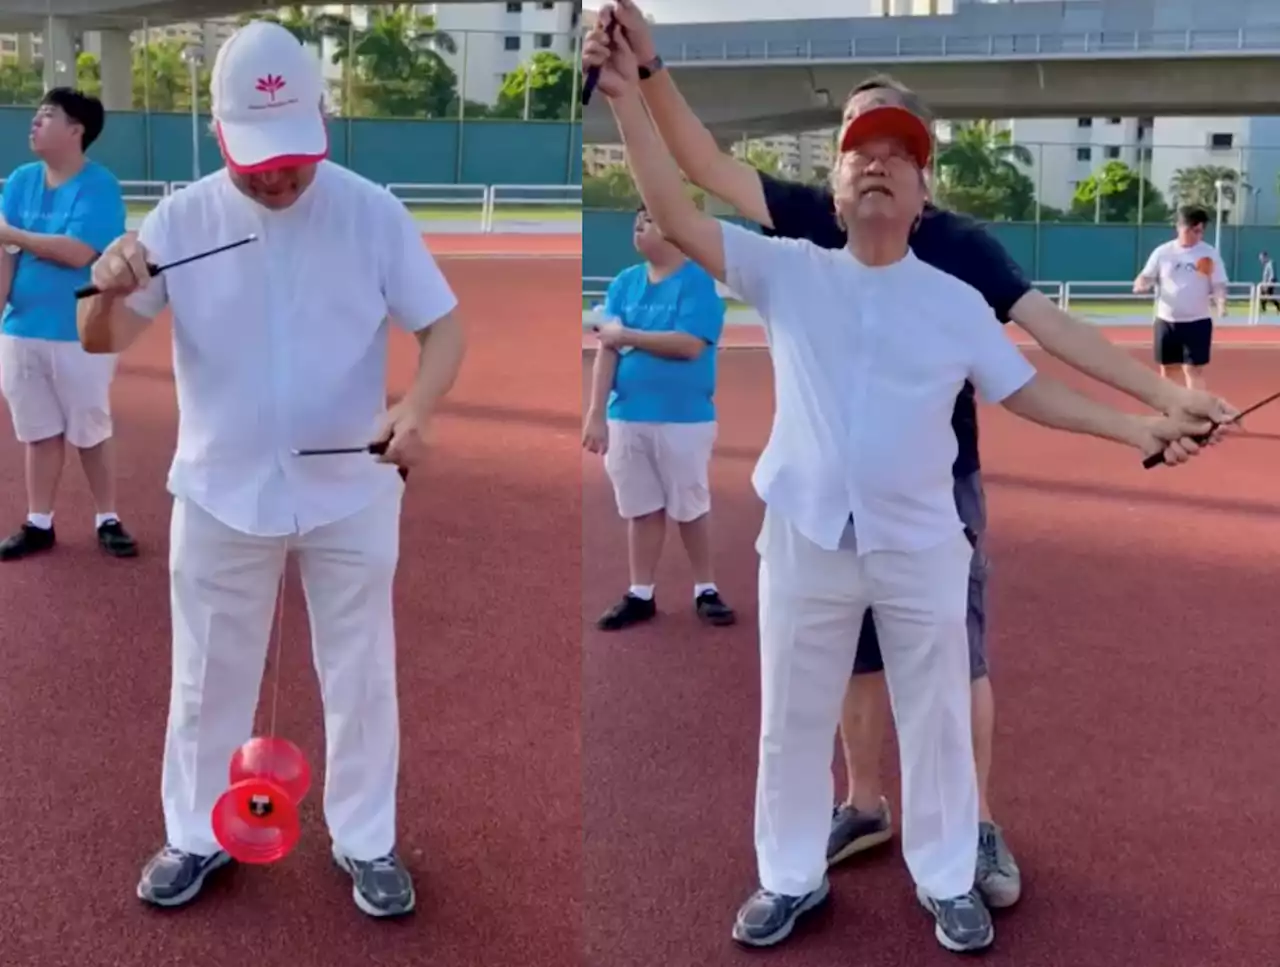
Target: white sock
(43,521)
(100,519)
(701,589)
(642,591)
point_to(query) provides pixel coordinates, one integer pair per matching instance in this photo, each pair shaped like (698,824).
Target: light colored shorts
(55,388)
(660,466)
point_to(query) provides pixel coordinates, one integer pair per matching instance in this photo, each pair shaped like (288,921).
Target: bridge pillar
(115,57)
(59,53)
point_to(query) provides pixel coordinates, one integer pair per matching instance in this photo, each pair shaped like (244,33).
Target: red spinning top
(256,821)
(279,760)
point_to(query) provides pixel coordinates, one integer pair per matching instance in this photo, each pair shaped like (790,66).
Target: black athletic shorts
(1183,343)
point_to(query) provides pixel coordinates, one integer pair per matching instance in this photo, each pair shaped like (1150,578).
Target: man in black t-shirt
(962,248)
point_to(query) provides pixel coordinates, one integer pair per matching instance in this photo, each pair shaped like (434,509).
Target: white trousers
(811,607)
(223,588)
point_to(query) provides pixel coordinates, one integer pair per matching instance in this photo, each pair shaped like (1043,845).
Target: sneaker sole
(1000,898)
(190,893)
(360,900)
(946,942)
(815,899)
(130,552)
(861,845)
(723,621)
(605,626)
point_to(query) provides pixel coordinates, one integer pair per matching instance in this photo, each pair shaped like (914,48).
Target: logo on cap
(270,85)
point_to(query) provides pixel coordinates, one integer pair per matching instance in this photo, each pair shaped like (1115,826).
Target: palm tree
(1198,185)
(981,172)
(397,55)
(979,153)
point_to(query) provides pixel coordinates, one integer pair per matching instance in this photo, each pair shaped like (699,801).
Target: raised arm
(693,146)
(656,176)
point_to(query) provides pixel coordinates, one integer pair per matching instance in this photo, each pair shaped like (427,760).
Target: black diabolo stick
(88,290)
(1156,459)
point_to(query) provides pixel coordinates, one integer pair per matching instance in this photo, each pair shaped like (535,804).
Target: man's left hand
(403,430)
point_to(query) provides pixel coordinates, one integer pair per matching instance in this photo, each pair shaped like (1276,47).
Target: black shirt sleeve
(801,211)
(962,247)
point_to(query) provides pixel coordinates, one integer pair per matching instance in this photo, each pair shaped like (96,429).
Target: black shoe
(713,611)
(115,540)
(381,887)
(768,918)
(853,831)
(627,612)
(29,540)
(172,877)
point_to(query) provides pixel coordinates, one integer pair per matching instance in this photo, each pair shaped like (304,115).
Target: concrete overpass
(783,76)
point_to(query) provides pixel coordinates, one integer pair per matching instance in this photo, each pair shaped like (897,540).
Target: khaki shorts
(55,388)
(660,466)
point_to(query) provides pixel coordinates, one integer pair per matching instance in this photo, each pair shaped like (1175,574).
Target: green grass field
(446,213)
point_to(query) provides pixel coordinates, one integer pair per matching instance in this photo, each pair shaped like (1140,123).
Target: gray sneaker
(173,877)
(962,923)
(998,880)
(381,887)
(768,918)
(853,831)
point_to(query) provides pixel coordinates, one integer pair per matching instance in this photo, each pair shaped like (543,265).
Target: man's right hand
(619,67)
(595,434)
(122,267)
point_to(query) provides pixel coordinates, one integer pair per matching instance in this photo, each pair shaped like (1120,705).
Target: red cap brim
(890,121)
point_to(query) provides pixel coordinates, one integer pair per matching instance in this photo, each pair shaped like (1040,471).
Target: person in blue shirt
(60,212)
(653,417)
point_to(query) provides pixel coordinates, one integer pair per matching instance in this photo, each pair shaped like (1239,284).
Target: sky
(698,11)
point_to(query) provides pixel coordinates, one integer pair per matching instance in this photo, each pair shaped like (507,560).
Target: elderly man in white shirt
(281,345)
(870,349)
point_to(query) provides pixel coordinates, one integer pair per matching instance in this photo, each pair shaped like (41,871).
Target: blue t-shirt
(653,389)
(90,208)
(956,244)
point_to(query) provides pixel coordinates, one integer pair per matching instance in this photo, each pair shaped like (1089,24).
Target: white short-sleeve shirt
(1185,278)
(867,363)
(282,344)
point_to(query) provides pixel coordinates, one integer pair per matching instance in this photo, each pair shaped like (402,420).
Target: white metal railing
(1095,301)
(920,46)
(1100,299)
(531,197)
(487,198)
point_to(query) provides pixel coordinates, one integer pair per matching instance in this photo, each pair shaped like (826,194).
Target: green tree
(397,63)
(1197,185)
(20,84)
(759,157)
(980,172)
(162,79)
(544,84)
(611,187)
(1113,194)
(89,74)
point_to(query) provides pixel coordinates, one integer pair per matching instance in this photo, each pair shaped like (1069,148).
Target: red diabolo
(256,819)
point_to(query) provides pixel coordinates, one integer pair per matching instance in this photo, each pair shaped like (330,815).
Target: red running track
(1137,672)
(489,656)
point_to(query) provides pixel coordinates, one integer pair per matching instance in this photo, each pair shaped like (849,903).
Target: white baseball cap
(268,96)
